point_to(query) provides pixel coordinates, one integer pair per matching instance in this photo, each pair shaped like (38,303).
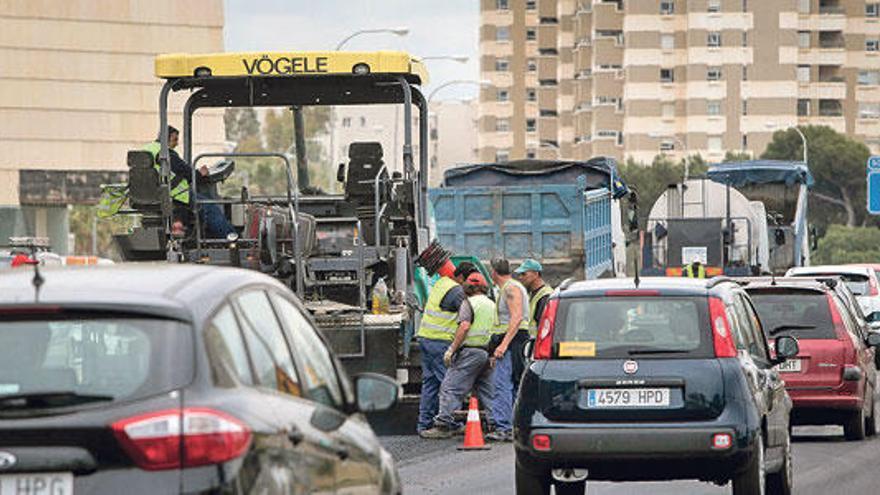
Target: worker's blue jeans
(433,371)
(214,219)
(470,369)
(502,405)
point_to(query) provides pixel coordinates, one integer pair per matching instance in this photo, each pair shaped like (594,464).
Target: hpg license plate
(790,366)
(36,484)
(627,397)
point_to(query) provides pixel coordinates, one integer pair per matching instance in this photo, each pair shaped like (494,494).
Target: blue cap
(529,265)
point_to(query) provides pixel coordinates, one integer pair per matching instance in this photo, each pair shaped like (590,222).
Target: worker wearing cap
(467,358)
(436,331)
(529,274)
(694,269)
(511,321)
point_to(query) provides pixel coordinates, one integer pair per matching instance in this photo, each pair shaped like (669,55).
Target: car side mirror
(375,392)
(873,339)
(340,173)
(326,418)
(528,347)
(786,347)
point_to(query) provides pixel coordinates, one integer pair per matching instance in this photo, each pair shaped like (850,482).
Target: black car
(670,380)
(158,378)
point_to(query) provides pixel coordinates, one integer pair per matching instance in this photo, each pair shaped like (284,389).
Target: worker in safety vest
(211,214)
(529,274)
(511,321)
(436,331)
(694,269)
(467,358)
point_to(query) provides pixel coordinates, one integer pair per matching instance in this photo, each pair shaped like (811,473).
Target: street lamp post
(454,58)
(657,135)
(399,31)
(773,125)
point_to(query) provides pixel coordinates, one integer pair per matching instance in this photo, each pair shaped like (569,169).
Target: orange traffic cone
(473,431)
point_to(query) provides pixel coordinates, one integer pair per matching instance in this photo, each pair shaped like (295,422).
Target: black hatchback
(157,378)
(670,380)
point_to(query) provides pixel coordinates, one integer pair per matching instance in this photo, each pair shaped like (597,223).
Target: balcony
(547,129)
(547,36)
(830,108)
(547,68)
(823,91)
(547,98)
(831,7)
(831,40)
(609,52)
(608,16)
(823,56)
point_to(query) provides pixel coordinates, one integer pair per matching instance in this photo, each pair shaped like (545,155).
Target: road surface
(823,462)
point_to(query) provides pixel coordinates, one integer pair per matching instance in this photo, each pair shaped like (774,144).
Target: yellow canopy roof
(293,64)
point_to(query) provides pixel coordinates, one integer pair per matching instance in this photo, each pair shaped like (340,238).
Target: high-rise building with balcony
(634,78)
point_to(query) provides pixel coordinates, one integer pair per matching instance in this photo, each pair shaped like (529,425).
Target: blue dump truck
(565,214)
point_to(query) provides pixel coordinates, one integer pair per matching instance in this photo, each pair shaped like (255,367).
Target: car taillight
(174,439)
(541,443)
(544,340)
(721,335)
(836,318)
(722,441)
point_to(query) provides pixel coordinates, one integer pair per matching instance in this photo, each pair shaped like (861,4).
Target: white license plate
(36,484)
(790,366)
(627,397)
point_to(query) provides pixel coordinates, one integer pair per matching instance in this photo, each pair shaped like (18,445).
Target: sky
(436,27)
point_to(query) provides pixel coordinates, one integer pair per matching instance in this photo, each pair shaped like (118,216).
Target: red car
(833,379)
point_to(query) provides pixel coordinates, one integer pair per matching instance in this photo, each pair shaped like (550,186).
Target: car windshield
(629,326)
(109,358)
(805,313)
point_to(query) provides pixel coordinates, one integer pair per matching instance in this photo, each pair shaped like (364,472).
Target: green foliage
(81,218)
(241,123)
(848,245)
(838,165)
(736,156)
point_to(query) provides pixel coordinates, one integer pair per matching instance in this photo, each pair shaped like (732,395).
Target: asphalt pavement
(823,463)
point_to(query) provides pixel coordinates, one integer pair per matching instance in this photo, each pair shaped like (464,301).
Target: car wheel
(576,488)
(854,428)
(871,421)
(751,480)
(780,483)
(530,482)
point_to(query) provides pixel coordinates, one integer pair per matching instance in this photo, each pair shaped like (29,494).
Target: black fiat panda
(668,379)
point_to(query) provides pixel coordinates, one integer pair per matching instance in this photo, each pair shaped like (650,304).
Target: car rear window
(856,282)
(118,357)
(621,327)
(805,309)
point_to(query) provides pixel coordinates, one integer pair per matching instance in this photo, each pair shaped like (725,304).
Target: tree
(736,156)
(836,162)
(848,245)
(652,180)
(241,123)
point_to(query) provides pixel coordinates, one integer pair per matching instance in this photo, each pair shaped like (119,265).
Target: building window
(667,75)
(502,125)
(803,39)
(667,145)
(745,142)
(745,38)
(363,121)
(872,9)
(346,122)
(502,65)
(531,4)
(531,125)
(830,108)
(502,4)
(531,65)
(804,6)
(502,156)
(667,41)
(530,154)
(872,45)
(745,72)
(667,110)
(714,143)
(713,74)
(531,94)
(713,108)
(869,77)
(803,109)
(803,73)
(502,33)
(502,95)
(714,6)
(620,139)
(667,8)
(713,40)
(745,107)
(531,34)
(869,110)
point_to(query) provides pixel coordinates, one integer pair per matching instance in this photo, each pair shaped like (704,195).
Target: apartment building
(634,78)
(77,91)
